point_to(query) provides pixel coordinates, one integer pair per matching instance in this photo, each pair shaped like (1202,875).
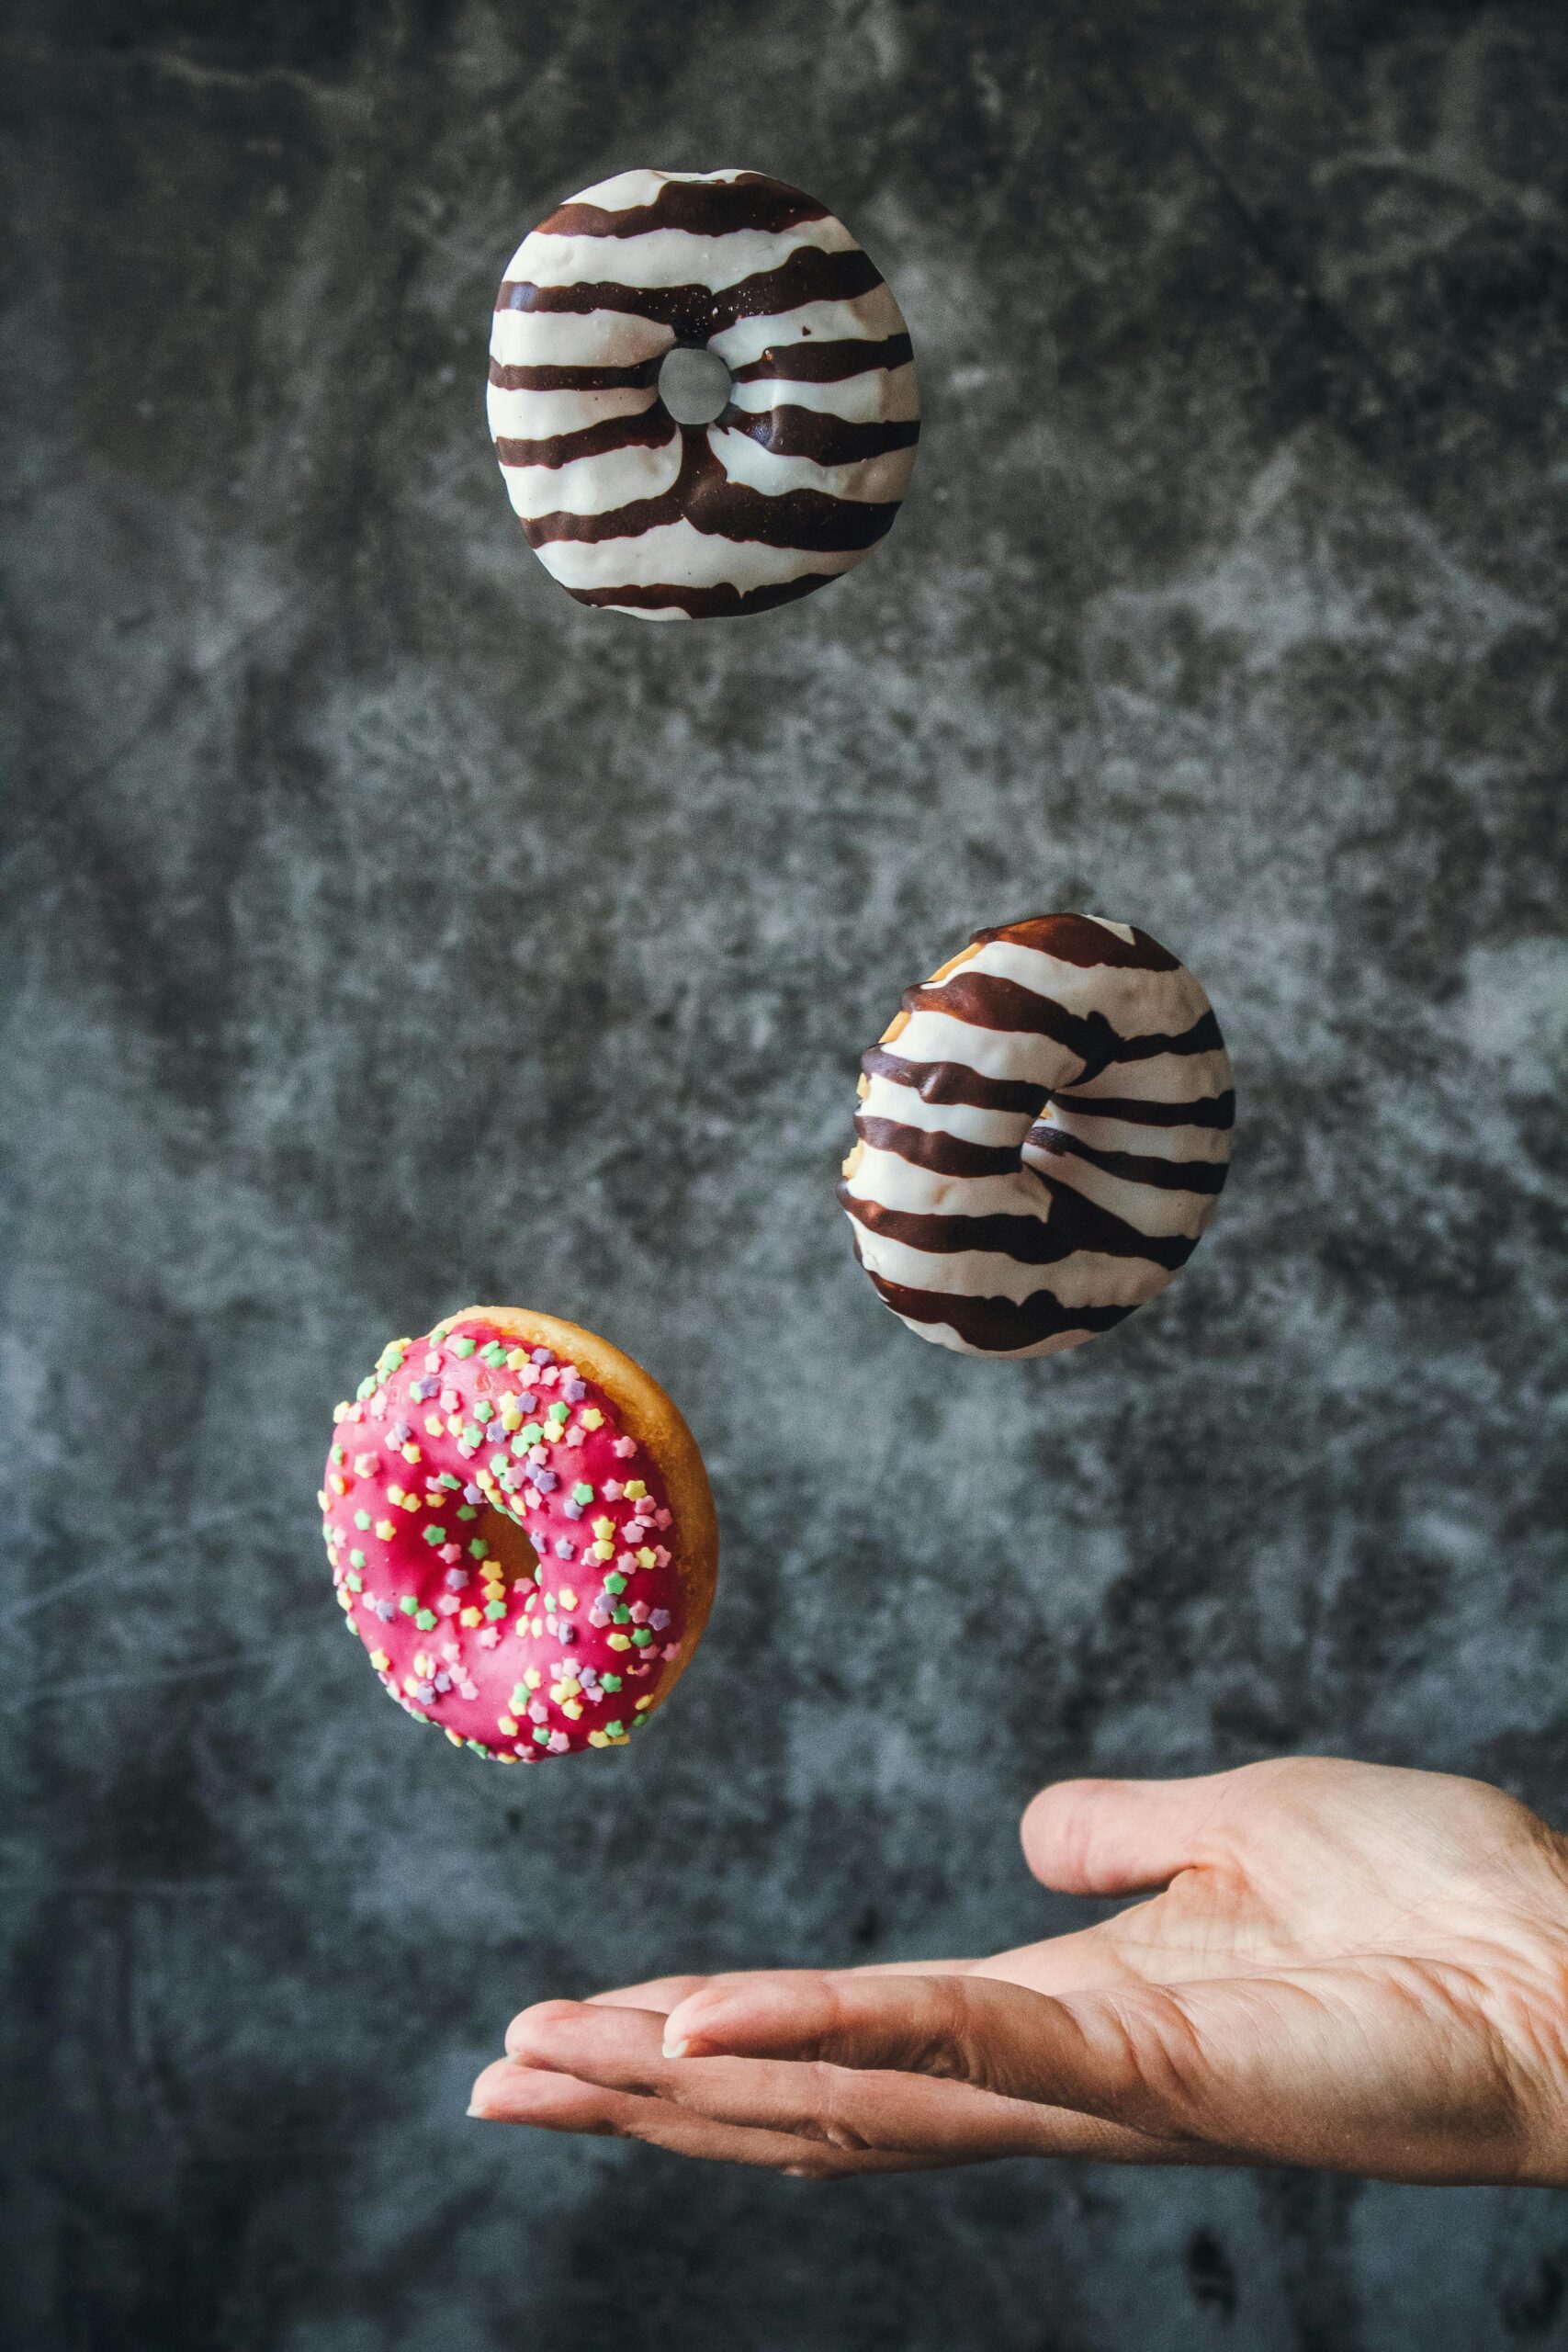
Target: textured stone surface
(386,932)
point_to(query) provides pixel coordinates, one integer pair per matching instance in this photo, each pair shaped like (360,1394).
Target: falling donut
(798,477)
(521,1534)
(1045,1130)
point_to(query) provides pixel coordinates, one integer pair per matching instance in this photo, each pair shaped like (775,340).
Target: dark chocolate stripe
(987,1000)
(826,363)
(710,209)
(650,428)
(1133,1167)
(721,601)
(932,1148)
(809,276)
(636,376)
(1207,1111)
(1203,1037)
(998,1325)
(703,495)
(1075,1223)
(790,432)
(1074,939)
(697,312)
(955,1082)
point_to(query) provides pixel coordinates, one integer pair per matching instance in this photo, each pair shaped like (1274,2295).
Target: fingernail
(478,2113)
(677,2048)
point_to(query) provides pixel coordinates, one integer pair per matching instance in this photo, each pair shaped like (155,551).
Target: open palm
(1348,1966)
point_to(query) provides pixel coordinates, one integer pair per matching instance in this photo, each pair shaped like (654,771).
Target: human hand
(1349,1966)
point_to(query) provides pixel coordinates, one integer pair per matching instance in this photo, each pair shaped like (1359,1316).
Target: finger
(1122,1836)
(1086,1958)
(660,1993)
(1077,2051)
(958,2028)
(866,2113)
(507,2093)
(663,1993)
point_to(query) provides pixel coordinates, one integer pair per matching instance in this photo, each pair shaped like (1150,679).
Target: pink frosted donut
(521,1534)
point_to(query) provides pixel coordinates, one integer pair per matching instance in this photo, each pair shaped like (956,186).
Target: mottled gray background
(385,931)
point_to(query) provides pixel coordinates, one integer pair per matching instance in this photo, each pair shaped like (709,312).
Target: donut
(1045,1130)
(521,1534)
(798,477)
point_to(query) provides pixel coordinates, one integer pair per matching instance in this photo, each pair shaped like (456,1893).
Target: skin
(1346,1966)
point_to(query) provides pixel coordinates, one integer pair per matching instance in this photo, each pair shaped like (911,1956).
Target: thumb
(1121,1837)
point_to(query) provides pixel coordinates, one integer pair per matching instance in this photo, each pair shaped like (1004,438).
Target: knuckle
(1157,2063)
(840,2112)
(638,2122)
(837,2023)
(948,2046)
(1062,1830)
(546,2013)
(1073,1816)
(603,2123)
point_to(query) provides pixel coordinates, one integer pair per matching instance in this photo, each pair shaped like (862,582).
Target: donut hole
(508,1548)
(694,386)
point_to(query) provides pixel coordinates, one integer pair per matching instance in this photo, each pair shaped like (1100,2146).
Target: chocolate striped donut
(799,476)
(1044,1132)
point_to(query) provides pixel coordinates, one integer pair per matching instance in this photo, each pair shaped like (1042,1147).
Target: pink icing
(514,1657)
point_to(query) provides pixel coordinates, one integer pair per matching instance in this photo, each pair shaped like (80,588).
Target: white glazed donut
(796,479)
(1044,1132)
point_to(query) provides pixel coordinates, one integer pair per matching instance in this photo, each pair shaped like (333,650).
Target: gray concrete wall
(385,931)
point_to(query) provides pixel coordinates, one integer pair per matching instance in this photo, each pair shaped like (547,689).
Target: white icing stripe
(1146,1207)
(661,257)
(869,318)
(884,1099)
(678,555)
(877,396)
(1163,1077)
(1203,1147)
(1085,1279)
(629,191)
(539,416)
(595,485)
(896,1183)
(872,480)
(994,1053)
(576,338)
(1134,1002)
